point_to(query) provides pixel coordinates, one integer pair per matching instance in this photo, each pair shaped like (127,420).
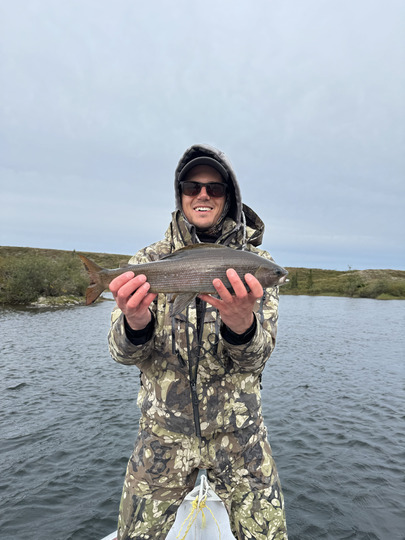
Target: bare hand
(236,310)
(133,298)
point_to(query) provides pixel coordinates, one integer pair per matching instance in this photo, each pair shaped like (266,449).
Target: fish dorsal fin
(181,302)
(192,247)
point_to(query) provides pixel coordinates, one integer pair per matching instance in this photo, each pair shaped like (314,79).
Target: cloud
(99,101)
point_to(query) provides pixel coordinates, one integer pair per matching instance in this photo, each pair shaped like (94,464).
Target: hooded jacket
(195,378)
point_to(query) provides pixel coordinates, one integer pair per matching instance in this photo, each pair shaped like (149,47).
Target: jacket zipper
(193,374)
(196,411)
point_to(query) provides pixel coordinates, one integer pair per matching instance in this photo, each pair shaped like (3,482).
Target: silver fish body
(189,271)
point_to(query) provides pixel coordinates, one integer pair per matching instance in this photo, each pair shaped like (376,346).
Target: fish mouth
(283,280)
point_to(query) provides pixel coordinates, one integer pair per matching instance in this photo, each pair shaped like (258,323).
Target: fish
(188,272)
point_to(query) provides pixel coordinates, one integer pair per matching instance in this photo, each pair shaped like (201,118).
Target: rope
(198,506)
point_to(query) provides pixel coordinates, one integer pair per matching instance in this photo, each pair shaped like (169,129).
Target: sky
(99,100)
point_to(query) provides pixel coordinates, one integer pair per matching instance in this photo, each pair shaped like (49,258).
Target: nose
(203,192)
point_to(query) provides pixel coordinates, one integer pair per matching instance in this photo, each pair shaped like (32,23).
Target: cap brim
(203,160)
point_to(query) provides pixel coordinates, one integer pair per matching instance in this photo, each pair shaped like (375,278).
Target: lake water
(333,398)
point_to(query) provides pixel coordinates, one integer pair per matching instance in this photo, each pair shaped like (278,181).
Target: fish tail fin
(96,286)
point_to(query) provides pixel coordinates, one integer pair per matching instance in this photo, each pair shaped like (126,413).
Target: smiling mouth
(202,209)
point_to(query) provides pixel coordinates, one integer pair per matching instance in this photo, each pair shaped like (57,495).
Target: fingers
(223,292)
(132,296)
(211,300)
(237,284)
(256,290)
(137,286)
(236,310)
(239,288)
(254,285)
(119,281)
(125,286)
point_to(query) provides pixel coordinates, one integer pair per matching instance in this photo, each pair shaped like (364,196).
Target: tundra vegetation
(379,284)
(54,277)
(46,276)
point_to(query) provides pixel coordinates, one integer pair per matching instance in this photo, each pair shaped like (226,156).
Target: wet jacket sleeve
(253,354)
(128,346)
(140,337)
(122,349)
(238,339)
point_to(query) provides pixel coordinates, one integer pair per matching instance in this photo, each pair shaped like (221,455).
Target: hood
(180,234)
(204,150)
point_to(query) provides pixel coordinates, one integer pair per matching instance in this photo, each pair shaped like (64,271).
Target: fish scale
(189,271)
(192,278)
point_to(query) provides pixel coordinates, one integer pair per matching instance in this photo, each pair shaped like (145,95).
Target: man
(200,370)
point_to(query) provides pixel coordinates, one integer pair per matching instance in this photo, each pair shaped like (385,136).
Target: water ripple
(333,402)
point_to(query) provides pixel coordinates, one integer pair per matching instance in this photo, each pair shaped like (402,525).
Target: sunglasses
(214,189)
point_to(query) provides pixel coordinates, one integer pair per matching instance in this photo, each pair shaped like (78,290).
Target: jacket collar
(181,233)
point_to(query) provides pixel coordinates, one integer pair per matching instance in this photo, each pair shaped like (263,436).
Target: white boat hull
(202,514)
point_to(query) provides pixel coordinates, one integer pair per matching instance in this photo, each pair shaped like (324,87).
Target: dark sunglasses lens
(216,190)
(191,189)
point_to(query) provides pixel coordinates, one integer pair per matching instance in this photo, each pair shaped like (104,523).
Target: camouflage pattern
(163,469)
(233,445)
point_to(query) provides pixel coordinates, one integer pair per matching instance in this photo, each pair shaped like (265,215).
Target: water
(333,402)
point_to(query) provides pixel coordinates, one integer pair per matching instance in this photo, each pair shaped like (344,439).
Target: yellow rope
(196,507)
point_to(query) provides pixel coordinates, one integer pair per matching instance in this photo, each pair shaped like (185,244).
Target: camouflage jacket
(196,382)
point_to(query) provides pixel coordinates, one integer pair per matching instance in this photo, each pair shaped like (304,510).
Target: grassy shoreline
(50,277)
(384,284)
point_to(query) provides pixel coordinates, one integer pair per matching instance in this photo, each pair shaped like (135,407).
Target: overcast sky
(99,100)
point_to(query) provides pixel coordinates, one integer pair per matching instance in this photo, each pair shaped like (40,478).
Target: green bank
(57,277)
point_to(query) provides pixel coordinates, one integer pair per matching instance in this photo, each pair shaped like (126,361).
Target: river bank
(49,277)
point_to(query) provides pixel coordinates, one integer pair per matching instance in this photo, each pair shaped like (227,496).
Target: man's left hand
(236,310)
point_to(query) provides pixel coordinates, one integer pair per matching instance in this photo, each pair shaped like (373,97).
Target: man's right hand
(133,298)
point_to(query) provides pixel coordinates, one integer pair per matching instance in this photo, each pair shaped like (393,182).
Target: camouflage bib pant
(163,469)
(200,402)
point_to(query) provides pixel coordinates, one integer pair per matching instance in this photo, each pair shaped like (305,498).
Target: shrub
(383,287)
(25,279)
(353,285)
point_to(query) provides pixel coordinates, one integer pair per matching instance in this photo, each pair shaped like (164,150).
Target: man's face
(202,210)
